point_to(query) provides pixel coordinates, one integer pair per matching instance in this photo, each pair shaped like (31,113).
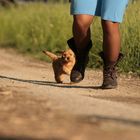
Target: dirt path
(34,107)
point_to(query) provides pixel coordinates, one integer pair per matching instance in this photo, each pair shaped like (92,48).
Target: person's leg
(112,14)
(80,44)
(111,53)
(81,30)
(83,12)
(111,40)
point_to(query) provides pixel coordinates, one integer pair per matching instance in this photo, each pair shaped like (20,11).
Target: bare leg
(111,40)
(81,30)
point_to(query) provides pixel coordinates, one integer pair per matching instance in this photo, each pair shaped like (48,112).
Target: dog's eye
(63,56)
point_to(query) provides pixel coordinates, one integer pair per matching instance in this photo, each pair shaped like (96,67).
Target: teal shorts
(111,10)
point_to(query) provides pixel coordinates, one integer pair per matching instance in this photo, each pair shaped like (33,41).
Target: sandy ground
(34,107)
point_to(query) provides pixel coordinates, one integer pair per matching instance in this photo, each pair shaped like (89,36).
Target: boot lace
(110,72)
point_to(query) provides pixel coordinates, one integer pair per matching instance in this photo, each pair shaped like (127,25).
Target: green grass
(35,27)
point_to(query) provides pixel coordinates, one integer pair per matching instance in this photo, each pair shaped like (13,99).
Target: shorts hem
(112,19)
(82,13)
(97,15)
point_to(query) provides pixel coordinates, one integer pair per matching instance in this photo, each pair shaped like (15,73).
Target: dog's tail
(51,55)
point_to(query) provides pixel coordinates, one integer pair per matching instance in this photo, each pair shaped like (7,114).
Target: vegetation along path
(34,107)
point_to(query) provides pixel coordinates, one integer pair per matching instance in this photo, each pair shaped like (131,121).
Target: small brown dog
(62,64)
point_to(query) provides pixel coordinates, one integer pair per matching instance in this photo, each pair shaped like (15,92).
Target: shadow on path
(49,83)
(92,118)
(26,138)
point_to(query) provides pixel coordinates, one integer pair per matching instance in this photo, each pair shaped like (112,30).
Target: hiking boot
(78,71)
(110,73)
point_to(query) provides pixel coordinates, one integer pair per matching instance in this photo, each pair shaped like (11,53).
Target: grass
(35,27)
